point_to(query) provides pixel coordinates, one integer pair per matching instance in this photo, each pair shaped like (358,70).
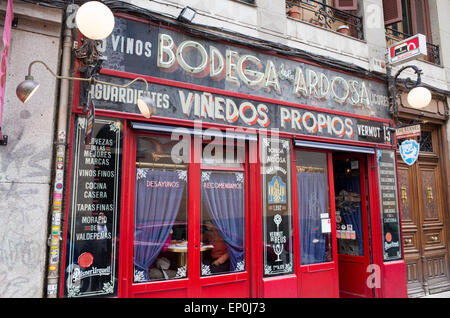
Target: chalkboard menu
(91,267)
(276,204)
(390,219)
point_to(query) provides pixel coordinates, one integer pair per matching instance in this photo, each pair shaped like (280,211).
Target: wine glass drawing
(277,248)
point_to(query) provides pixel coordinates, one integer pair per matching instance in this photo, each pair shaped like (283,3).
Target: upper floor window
(337,15)
(405,18)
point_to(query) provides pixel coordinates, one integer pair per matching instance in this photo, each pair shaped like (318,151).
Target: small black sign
(373,131)
(390,219)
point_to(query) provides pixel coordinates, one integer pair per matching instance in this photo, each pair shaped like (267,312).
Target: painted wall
(25,174)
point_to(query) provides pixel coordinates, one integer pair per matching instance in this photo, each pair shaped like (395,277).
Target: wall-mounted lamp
(28,87)
(419,96)
(95,20)
(187,14)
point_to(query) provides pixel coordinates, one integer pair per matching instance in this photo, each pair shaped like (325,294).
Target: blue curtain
(312,199)
(351,211)
(226,209)
(352,215)
(158,198)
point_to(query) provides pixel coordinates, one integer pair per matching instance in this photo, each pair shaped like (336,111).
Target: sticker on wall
(409,150)
(62,136)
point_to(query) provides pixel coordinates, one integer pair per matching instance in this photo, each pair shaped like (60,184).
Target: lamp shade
(95,20)
(26,89)
(146,105)
(419,97)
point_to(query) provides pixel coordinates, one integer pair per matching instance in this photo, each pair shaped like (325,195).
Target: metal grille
(327,16)
(426,141)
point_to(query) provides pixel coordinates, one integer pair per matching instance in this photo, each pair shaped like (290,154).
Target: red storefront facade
(283,167)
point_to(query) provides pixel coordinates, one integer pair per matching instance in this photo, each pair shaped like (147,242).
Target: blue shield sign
(409,150)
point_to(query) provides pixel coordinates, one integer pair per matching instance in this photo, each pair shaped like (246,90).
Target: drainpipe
(55,237)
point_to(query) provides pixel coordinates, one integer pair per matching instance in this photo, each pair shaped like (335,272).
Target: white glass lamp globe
(95,20)
(419,97)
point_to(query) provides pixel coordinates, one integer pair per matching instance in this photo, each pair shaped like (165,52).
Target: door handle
(434,238)
(429,194)
(407,241)
(404,198)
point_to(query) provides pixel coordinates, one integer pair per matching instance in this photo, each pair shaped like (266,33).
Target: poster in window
(276,204)
(390,219)
(91,266)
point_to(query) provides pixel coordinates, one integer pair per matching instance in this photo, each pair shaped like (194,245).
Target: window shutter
(392,10)
(346,4)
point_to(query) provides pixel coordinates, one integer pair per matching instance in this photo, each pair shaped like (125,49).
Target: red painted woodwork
(216,286)
(394,283)
(353,269)
(318,280)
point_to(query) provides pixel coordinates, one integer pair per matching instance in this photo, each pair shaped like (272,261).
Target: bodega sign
(175,56)
(177,103)
(409,49)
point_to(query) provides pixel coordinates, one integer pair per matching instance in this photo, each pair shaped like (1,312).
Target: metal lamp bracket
(4,140)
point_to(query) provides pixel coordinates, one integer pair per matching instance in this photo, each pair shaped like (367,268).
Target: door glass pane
(276,205)
(223,216)
(160,220)
(347,189)
(313,207)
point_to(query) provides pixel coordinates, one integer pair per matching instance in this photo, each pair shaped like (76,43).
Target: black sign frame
(277,211)
(389,205)
(93,221)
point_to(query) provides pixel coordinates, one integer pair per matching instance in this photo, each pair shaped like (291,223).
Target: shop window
(313,207)
(347,189)
(222,210)
(337,15)
(405,18)
(160,222)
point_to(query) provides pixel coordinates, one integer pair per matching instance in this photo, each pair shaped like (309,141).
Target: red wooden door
(351,196)
(314,189)
(167,257)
